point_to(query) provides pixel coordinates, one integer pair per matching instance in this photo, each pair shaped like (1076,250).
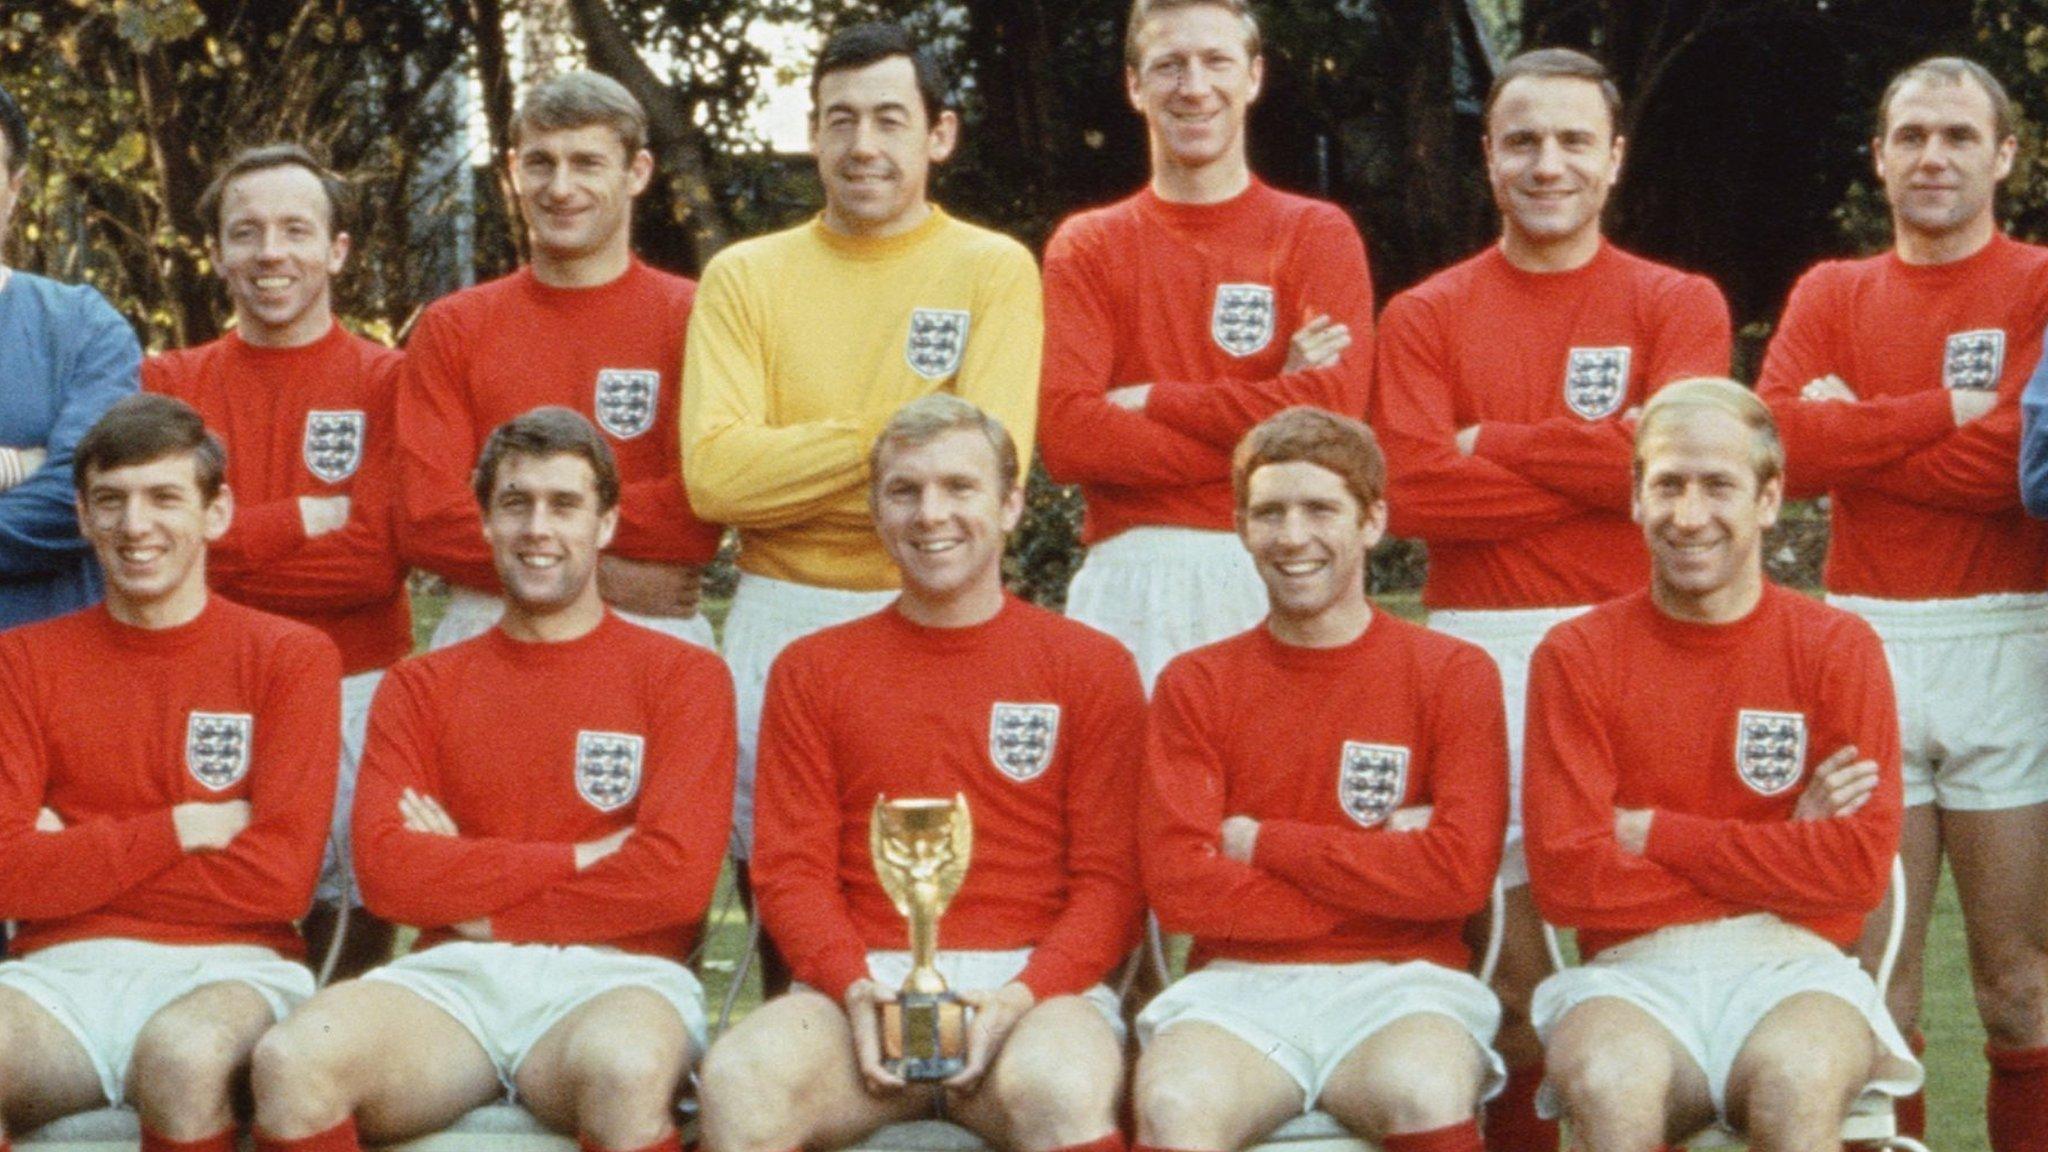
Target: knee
(1613,1071)
(1176,1107)
(1418,1095)
(296,1082)
(2012,998)
(632,1073)
(749,1102)
(185,1064)
(1044,1091)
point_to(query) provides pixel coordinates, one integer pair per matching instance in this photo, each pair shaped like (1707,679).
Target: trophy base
(924,1036)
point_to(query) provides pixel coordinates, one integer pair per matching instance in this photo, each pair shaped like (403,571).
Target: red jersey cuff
(267,532)
(1507,445)
(1176,405)
(1049,974)
(1679,836)
(1285,848)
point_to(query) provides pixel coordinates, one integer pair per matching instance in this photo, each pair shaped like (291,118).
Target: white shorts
(103,991)
(472,613)
(1971,678)
(1711,984)
(981,971)
(1510,636)
(507,996)
(337,878)
(1308,1017)
(1162,591)
(767,615)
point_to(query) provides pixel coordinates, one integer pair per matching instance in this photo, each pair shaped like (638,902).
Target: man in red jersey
(1324,856)
(1175,320)
(304,407)
(166,775)
(1897,380)
(1713,800)
(548,802)
(1504,390)
(955,688)
(586,326)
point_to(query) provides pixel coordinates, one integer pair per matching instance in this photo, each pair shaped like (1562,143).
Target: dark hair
(1557,63)
(145,428)
(1951,70)
(549,431)
(262,159)
(1143,10)
(14,126)
(863,44)
(1312,436)
(577,100)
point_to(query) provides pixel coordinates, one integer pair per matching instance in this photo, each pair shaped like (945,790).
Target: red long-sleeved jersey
(112,726)
(1922,509)
(315,420)
(1198,300)
(1321,745)
(1546,365)
(1038,720)
(1715,728)
(532,748)
(486,354)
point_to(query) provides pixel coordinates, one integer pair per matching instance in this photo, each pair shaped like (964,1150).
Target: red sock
(1136,1147)
(1511,1121)
(2013,1108)
(673,1142)
(1114,1142)
(1460,1137)
(340,1138)
(221,1141)
(1910,1112)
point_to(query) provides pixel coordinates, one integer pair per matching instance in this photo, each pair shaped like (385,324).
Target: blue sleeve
(2034,440)
(97,362)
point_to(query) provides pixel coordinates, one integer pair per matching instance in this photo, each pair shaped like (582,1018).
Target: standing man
(1175,320)
(586,326)
(547,802)
(1506,384)
(1325,800)
(807,340)
(166,775)
(1714,804)
(66,356)
(1897,381)
(956,688)
(305,409)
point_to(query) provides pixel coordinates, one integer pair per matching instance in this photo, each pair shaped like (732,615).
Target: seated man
(1670,732)
(548,803)
(166,769)
(1325,798)
(954,688)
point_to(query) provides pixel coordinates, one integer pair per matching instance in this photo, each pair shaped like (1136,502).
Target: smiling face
(875,147)
(149,525)
(576,188)
(1552,157)
(1309,538)
(1194,81)
(943,513)
(1940,158)
(1703,513)
(546,529)
(277,253)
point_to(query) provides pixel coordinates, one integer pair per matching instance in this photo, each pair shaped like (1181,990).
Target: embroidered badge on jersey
(625,401)
(1596,381)
(1021,738)
(938,338)
(1973,360)
(217,747)
(1242,320)
(1371,781)
(333,446)
(1770,750)
(608,768)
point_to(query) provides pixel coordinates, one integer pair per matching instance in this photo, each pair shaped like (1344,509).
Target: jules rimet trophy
(920,848)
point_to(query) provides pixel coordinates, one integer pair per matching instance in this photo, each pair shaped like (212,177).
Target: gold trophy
(920,848)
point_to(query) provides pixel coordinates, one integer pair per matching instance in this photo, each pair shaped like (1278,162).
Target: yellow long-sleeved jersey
(804,342)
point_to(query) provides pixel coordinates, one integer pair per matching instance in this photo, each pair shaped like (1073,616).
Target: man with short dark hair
(1325,799)
(166,776)
(805,341)
(1506,385)
(585,325)
(1713,803)
(68,357)
(955,689)
(305,408)
(558,857)
(1896,379)
(1176,319)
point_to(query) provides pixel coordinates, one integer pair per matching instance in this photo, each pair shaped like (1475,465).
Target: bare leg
(1200,1086)
(1798,1073)
(45,1073)
(1418,1074)
(610,1070)
(1627,1085)
(189,1055)
(1920,845)
(1056,1082)
(786,1076)
(2001,860)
